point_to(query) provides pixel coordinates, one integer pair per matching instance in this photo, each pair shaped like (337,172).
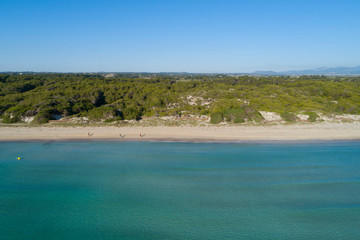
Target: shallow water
(145,190)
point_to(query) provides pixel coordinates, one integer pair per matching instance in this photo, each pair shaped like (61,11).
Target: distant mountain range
(316,71)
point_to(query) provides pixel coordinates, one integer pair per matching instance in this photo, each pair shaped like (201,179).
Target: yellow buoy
(19,158)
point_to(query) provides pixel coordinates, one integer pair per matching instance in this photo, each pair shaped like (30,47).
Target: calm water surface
(144,190)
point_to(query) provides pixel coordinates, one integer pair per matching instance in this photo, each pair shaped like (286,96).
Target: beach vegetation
(234,99)
(289,116)
(235,115)
(103,113)
(216,117)
(313,116)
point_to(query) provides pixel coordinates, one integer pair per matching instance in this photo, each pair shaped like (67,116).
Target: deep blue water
(145,190)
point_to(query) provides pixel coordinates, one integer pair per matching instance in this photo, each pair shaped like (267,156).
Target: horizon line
(260,72)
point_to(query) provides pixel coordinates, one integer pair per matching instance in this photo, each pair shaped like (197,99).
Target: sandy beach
(322,131)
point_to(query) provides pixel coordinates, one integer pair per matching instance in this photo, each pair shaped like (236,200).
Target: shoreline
(295,132)
(249,142)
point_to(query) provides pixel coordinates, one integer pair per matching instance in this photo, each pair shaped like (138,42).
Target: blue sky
(178,35)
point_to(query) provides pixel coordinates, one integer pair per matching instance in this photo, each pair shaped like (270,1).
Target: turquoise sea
(159,190)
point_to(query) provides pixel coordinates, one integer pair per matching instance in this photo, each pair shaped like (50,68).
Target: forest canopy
(134,96)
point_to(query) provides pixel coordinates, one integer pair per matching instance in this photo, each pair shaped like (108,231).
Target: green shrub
(289,116)
(81,106)
(204,112)
(103,113)
(14,114)
(216,117)
(132,113)
(235,115)
(312,116)
(8,119)
(42,117)
(257,117)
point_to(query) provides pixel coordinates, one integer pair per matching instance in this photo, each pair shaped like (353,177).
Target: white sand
(320,131)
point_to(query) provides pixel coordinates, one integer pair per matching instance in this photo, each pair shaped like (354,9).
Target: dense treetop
(134,96)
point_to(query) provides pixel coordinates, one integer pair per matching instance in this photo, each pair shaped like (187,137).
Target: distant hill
(265,73)
(316,71)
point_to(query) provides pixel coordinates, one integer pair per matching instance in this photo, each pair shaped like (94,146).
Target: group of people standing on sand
(121,136)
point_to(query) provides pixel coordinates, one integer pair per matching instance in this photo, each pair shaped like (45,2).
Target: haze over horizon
(178,36)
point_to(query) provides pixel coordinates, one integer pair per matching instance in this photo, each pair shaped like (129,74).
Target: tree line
(127,97)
